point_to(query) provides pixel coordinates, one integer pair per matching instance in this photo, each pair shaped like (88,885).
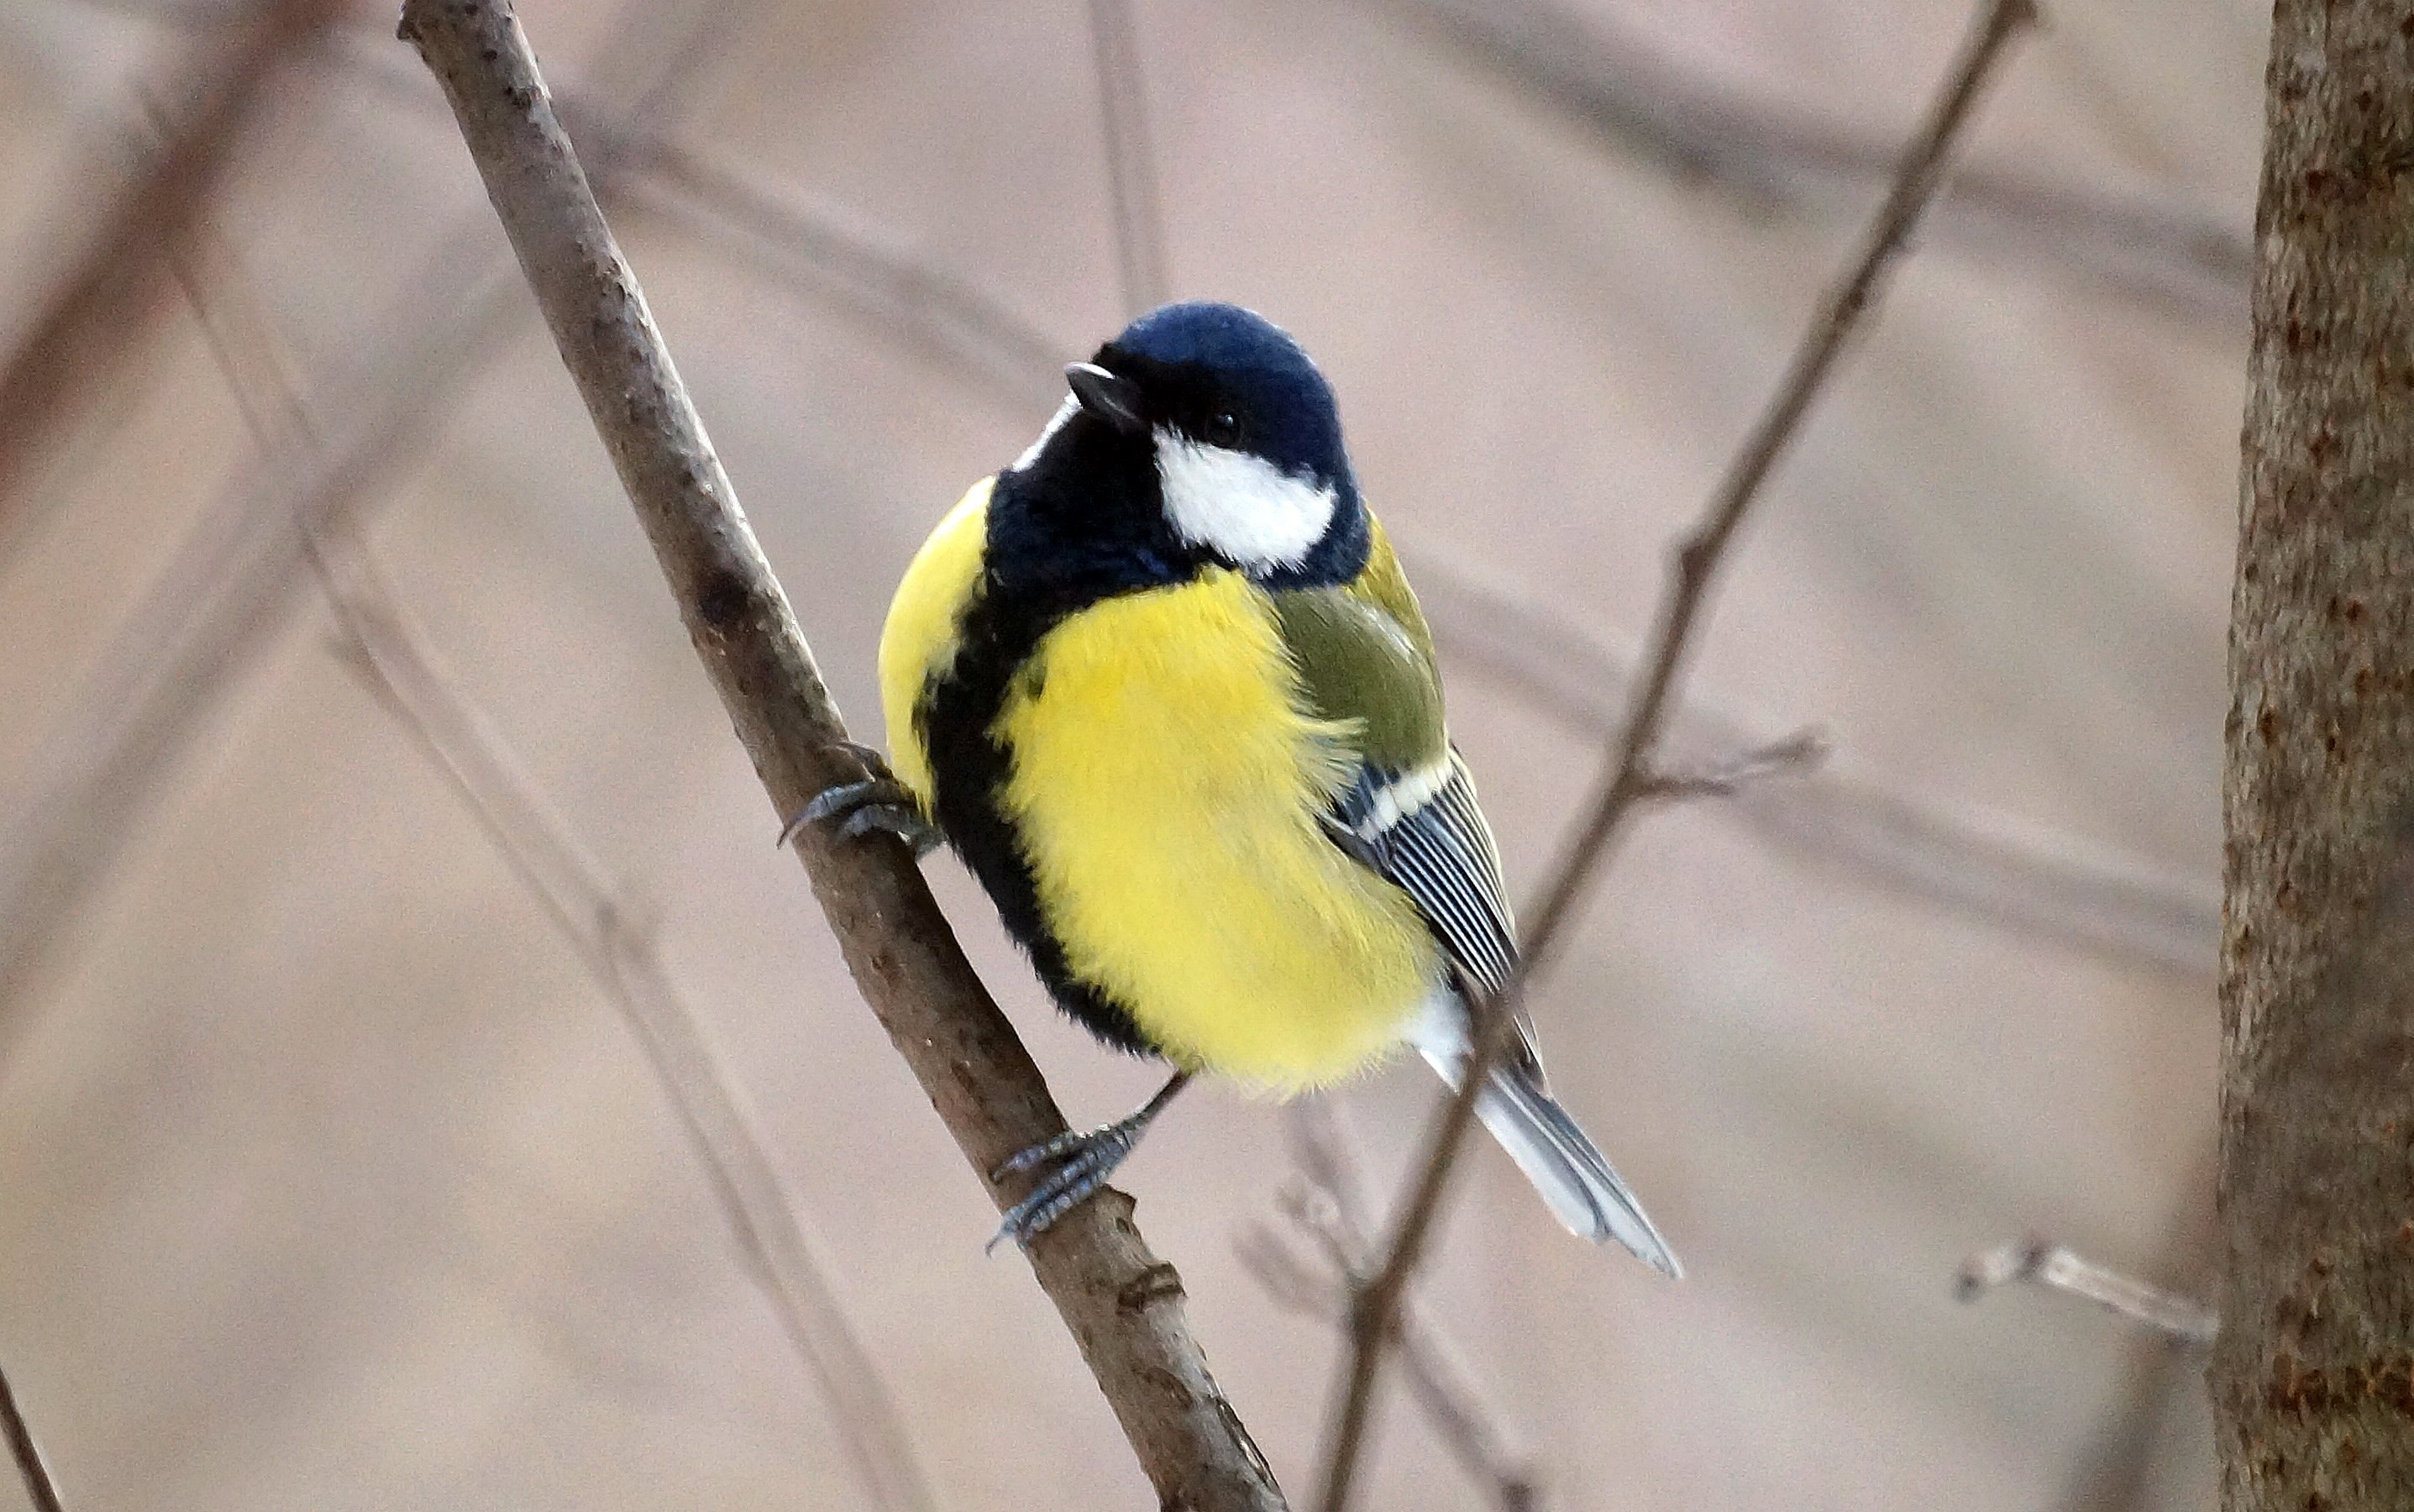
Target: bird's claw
(877,803)
(1082,1164)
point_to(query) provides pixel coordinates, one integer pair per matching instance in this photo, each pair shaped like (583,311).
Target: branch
(1326,1206)
(2115,1472)
(114,293)
(612,938)
(1122,1306)
(395,659)
(1131,164)
(2054,1266)
(2057,887)
(1627,774)
(1797,755)
(830,253)
(1700,128)
(233,582)
(42,1492)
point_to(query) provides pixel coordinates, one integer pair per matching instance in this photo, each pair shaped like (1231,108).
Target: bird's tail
(1565,1166)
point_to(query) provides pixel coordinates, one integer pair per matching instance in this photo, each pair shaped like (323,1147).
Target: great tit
(1161,684)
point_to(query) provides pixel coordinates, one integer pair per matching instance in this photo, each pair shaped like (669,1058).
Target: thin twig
(830,253)
(395,658)
(622,953)
(1326,1207)
(2008,874)
(2044,1263)
(1627,771)
(1797,755)
(2114,1473)
(2054,886)
(1700,128)
(1122,1305)
(234,581)
(2057,887)
(40,1489)
(113,294)
(1131,159)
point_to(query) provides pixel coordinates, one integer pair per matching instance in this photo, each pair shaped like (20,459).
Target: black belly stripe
(969,769)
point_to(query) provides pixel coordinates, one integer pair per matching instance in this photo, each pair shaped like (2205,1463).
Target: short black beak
(1113,399)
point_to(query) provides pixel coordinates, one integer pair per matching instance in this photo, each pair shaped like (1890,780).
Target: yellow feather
(918,641)
(1167,785)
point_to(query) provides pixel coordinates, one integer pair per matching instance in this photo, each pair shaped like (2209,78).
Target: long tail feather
(1587,1197)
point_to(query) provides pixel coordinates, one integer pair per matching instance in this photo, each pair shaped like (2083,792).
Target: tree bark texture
(1122,1306)
(2313,1376)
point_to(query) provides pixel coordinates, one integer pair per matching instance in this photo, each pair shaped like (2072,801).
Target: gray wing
(1423,833)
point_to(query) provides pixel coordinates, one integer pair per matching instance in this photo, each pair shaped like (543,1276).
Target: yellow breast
(1167,788)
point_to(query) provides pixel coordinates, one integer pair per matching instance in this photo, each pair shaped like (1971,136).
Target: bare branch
(2164,253)
(1326,1207)
(2056,887)
(2115,1472)
(1627,771)
(42,1492)
(1131,161)
(393,657)
(114,293)
(1793,755)
(1122,1306)
(829,253)
(2049,1264)
(622,953)
(233,582)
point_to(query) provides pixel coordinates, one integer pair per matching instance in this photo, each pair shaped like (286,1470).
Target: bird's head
(1205,428)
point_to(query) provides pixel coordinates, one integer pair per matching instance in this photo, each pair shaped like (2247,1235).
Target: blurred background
(335,1173)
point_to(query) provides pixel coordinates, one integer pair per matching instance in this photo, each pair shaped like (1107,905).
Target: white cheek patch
(1055,423)
(1239,505)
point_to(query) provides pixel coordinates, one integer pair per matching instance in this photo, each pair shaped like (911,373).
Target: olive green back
(1365,655)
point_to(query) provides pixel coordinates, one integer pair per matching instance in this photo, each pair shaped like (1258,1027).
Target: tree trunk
(2312,1379)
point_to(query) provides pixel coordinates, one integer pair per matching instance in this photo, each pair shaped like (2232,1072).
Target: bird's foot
(877,803)
(1078,1164)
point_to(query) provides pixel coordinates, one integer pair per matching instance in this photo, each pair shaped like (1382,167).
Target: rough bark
(2312,1379)
(1122,1306)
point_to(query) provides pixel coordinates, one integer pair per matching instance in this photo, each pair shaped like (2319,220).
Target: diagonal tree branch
(2162,253)
(617,947)
(1630,770)
(1326,1204)
(233,582)
(826,252)
(40,1489)
(2051,886)
(1124,1307)
(393,658)
(117,291)
(2038,882)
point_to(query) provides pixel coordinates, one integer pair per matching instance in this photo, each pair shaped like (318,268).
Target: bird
(1163,687)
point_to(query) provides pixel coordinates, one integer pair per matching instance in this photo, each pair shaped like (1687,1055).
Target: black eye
(1223,427)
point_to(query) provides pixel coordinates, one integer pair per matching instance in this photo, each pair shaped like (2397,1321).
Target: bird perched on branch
(1161,684)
